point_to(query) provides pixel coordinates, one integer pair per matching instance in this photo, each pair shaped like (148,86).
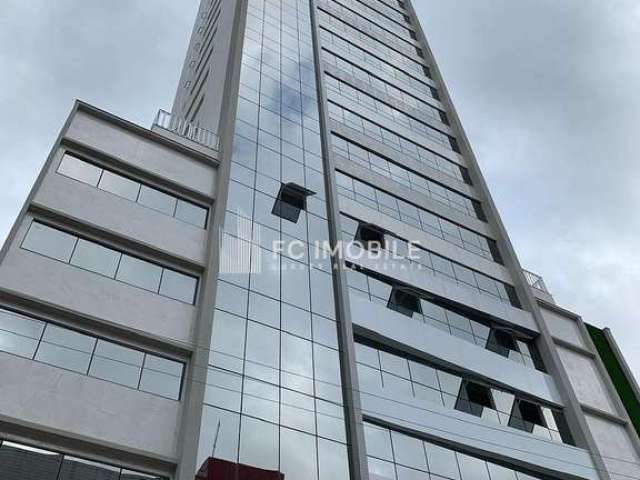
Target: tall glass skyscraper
(300,269)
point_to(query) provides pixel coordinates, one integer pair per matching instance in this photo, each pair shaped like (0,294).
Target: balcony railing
(536,281)
(186,129)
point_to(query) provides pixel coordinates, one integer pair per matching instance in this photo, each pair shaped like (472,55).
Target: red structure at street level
(216,469)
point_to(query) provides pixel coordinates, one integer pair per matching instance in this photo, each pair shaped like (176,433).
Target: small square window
(501,342)
(526,415)
(371,236)
(474,398)
(405,301)
(292,199)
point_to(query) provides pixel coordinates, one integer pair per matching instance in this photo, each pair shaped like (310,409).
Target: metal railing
(535,281)
(186,129)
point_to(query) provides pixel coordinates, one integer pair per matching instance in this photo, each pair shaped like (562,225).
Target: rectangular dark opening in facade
(292,199)
(405,301)
(474,398)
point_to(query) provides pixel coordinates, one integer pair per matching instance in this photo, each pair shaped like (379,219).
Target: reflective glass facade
(398,378)
(395,455)
(273,395)
(274,383)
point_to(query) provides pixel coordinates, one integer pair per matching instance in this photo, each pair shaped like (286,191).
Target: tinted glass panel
(297,455)
(442,462)
(119,185)
(49,241)
(162,377)
(21,462)
(19,335)
(129,475)
(133,191)
(409,451)
(18,462)
(190,213)
(333,460)
(95,258)
(75,351)
(405,473)
(80,170)
(178,286)
(472,468)
(66,349)
(259,444)
(157,200)
(77,469)
(68,338)
(116,364)
(139,273)
(378,442)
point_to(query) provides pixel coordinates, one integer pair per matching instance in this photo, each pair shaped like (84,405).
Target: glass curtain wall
(273,395)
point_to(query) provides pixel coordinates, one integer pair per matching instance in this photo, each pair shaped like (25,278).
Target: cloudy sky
(547,91)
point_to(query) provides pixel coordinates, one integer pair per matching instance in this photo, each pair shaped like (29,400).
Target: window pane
(326,364)
(297,411)
(228,434)
(116,364)
(325,331)
(410,474)
(296,321)
(157,200)
(296,364)
(333,462)
(228,341)
(264,310)
(95,258)
(424,375)
(49,241)
(409,451)
(77,469)
(178,286)
(223,389)
(119,185)
(394,364)
(367,355)
(263,353)
(472,468)
(330,421)
(80,170)
(260,400)
(162,377)
(295,283)
(380,469)
(378,442)
(259,444)
(130,475)
(442,461)
(297,455)
(18,462)
(19,335)
(501,473)
(66,349)
(139,273)
(396,386)
(190,213)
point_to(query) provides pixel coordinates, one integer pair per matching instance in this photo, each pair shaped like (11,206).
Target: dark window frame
(474,397)
(370,236)
(291,200)
(404,300)
(526,419)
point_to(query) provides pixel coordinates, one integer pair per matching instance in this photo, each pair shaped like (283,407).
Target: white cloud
(547,93)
